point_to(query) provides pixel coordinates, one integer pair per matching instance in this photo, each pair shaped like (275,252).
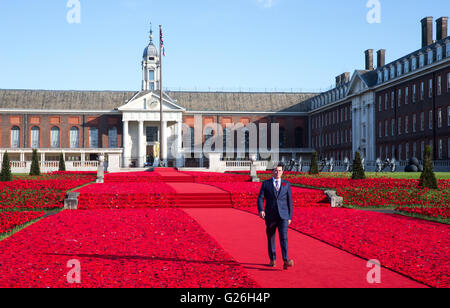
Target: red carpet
(190,195)
(171,175)
(317,265)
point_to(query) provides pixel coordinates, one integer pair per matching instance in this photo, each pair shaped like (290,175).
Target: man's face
(278,173)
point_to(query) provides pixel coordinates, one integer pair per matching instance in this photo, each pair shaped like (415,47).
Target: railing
(52,166)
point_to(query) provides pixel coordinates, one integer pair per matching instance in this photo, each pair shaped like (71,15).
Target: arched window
(35,137)
(15,137)
(54,137)
(74,138)
(93,137)
(112,137)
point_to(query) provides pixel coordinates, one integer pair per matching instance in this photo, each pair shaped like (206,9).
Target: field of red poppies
(157,248)
(11,220)
(44,193)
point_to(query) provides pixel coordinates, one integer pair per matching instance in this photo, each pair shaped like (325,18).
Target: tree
(62,164)
(358,170)
(428,178)
(314,165)
(6,175)
(35,170)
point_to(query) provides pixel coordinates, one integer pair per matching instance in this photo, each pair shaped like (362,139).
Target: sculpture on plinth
(156,162)
(101,169)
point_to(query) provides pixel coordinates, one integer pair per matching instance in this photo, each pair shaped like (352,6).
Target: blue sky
(230,44)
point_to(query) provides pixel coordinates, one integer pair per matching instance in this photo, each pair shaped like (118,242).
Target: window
(407,151)
(392,127)
(422,121)
(151,75)
(406,125)
(399,124)
(439,116)
(406,66)
(392,72)
(447,48)
(448,116)
(380,129)
(380,77)
(448,147)
(400,152)
(55,137)
(430,119)
(399,98)
(430,57)
(422,149)
(15,137)
(393,151)
(441,147)
(379,104)
(35,137)
(392,99)
(387,152)
(448,83)
(93,137)
(386,74)
(439,53)
(74,138)
(386,128)
(430,88)
(414,123)
(386,101)
(439,85)
(112,137)
(421,60)
(406,95)
(414,64)
(399,69)
(414,93)
(422,90)
(414,149)
(299,137)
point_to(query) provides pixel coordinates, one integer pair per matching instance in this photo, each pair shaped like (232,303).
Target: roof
(191,101)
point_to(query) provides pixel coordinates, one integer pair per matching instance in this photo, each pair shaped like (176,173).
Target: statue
(156,162)
(393,165)
(101,169)
(363,163)
(379,165)
(331,164)
(300,164)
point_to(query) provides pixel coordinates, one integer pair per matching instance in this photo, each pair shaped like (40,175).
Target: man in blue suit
(278,214)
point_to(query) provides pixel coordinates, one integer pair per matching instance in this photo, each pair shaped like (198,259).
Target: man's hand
(290,221)
(262,215)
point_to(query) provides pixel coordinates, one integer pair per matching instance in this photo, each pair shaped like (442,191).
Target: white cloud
(267,4)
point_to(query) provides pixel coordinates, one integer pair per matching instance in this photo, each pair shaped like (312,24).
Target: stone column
(179,132)
(141,145)
(164,142)
(126,145)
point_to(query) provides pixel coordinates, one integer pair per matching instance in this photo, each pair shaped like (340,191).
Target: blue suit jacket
(281,202)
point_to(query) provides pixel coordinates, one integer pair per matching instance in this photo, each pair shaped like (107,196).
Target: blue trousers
(283,227)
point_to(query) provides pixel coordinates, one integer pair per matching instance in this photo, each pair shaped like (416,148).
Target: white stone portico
(141,124)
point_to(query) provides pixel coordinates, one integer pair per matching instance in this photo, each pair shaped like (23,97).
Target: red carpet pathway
(171,175)
(190,195)
(317,265)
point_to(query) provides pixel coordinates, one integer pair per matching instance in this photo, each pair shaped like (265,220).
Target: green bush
(35,169)
(358,170)
(6,175)
(314,164)
(428,178)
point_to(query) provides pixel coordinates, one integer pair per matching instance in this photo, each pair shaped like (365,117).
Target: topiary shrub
(6,175)
(62,163)
(358,170)
(428,178)
(35,170)
(314,164)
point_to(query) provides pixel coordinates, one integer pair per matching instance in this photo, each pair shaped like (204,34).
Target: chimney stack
(345,78)
(338,81)
(369,59)
(427,31)
(381,57)
(441,28)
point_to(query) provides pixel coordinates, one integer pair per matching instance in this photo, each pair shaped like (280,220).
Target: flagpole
(160,94)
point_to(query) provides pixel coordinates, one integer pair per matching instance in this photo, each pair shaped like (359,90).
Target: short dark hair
(280,165)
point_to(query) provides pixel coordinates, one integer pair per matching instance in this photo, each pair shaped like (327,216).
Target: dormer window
(414,64)
(430,57)
(380,77)
(447,48)
(406,66)
(421,60)
(399,69)
(386,74)
(392,72)
(439,53)
(151,58)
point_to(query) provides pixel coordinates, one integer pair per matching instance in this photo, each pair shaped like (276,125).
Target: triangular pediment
(357,84)
(150,102)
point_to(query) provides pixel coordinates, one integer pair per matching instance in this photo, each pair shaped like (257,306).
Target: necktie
(278,185)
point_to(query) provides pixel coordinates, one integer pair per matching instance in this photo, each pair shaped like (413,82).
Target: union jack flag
(162,41)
